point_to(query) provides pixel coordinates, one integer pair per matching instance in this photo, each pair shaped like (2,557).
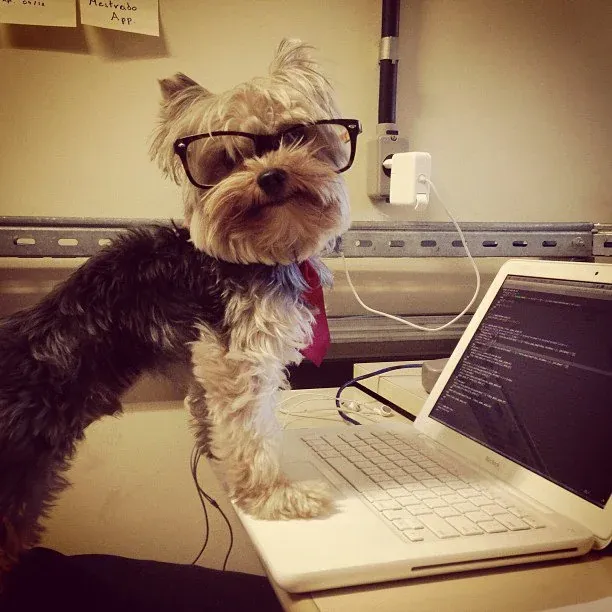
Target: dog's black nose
(272,181)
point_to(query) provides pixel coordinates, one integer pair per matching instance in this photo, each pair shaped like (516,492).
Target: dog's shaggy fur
(227,293)
(66,362)
(239,372)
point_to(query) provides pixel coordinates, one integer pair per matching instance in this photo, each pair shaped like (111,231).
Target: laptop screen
(535,382)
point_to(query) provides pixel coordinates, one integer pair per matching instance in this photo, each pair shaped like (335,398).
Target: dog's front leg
(241,377)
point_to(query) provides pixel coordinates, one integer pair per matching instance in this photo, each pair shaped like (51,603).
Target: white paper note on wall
(139,16)
(39,12)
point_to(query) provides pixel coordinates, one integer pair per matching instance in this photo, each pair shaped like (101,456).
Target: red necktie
(320,329)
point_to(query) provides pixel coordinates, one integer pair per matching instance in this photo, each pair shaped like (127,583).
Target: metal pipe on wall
(388,59)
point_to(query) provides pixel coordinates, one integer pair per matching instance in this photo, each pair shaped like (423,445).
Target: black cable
(351,382)
(347,418)
(231,535)
(196,455)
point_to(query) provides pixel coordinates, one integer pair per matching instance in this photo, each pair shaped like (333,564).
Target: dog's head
(260,164)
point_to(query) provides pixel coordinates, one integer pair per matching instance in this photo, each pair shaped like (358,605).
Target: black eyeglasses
(209,158)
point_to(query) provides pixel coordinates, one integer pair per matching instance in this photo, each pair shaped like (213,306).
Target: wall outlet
(379,178)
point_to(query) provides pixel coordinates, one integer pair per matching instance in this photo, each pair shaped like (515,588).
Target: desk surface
(132,495)
(530,588)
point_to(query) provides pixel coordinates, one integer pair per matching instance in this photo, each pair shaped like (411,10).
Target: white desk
(520,589)
(132,495)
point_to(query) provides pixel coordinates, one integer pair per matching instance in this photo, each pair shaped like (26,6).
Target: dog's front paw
(291,500)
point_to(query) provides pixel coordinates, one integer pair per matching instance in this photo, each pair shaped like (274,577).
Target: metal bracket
(388,49)
(602,240)
(77,237)
(559,240)
(61,237)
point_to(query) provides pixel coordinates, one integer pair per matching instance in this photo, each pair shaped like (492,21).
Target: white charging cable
(423,179)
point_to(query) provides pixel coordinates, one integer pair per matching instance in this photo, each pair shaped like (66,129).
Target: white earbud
(382,410)
(378,409)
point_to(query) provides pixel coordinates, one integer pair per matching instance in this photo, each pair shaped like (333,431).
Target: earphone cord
(355,380)
(193,464)
(196,455)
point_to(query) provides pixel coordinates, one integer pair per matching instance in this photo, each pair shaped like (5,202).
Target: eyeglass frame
(267,142)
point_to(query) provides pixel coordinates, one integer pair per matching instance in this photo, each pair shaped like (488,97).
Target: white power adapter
(408,171)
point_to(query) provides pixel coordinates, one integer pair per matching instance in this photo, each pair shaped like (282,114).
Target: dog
(230,293)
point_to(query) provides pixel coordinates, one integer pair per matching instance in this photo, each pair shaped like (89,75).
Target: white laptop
(510,460)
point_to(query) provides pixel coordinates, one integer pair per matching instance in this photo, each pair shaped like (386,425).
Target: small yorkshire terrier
(261,171)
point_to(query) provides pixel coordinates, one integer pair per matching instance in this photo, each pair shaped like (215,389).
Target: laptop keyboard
(422,494)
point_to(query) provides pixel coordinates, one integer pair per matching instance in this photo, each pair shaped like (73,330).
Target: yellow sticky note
(39,12)
(138,16)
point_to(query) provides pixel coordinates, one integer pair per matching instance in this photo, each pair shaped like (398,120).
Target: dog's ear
(180,83)
(182,106)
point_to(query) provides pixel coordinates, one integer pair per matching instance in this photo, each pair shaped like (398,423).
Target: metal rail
(559,240)
(64,237)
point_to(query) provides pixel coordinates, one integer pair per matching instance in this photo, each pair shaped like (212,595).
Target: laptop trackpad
(304,470)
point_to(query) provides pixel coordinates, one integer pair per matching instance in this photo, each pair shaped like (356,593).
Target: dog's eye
(330,142)
(296,136)
(212,159)
(221,167)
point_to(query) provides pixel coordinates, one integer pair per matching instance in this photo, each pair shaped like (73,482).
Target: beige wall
(79,105)
(512,99)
